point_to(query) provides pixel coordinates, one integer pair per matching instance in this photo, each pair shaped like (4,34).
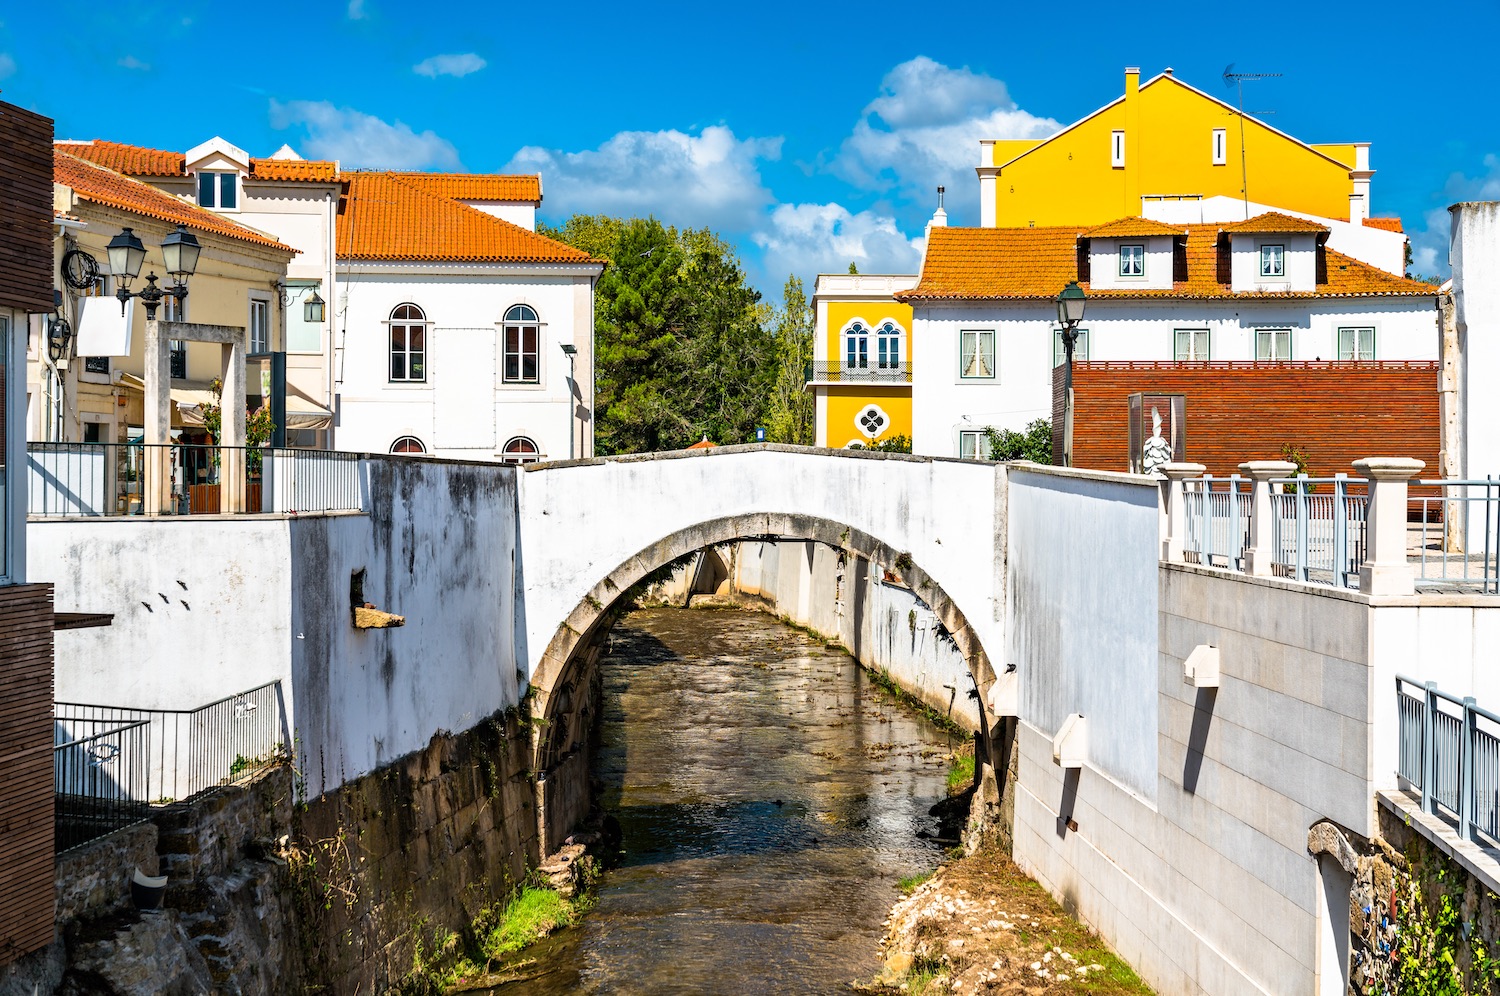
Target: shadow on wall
(1203,714)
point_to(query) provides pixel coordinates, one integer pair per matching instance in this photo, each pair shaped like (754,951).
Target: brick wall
(27,896)
(25,210)
(1336,412)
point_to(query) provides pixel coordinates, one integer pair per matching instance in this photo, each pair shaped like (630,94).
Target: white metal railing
(1454,533)
(313,481)
(1318,529)
(1449,749)
(1217,515)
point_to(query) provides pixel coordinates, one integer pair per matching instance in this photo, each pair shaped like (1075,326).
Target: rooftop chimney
(939,217)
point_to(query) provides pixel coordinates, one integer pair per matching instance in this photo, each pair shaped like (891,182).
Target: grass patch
(961,770)
(529,917)
(909,884)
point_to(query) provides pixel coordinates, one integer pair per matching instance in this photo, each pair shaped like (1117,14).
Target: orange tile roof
(480,186)
(995,264)
(389,216)
(1385,224)
(1275,222)
(309,170)
(132,160)
(1130,228)
(95,183)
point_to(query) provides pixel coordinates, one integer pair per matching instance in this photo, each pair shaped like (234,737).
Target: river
(770,797)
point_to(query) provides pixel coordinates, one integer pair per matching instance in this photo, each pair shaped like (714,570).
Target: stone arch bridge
(590,530)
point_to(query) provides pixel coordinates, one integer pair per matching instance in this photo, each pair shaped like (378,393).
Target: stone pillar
(156,466)
(1385,570)
(1173,511)
(1260,554)
(232,428)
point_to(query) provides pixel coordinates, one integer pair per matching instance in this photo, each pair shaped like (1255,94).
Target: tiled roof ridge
(140,160)
(1277,222)
(166,207)
(1134,224)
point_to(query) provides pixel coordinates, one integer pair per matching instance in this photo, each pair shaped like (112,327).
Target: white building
(1474,253)
(460,331)
(1269,289)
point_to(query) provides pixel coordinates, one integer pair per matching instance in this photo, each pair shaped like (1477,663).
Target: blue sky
(810,136)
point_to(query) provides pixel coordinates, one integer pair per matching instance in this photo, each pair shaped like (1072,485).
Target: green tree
(790,419)
(1034,443)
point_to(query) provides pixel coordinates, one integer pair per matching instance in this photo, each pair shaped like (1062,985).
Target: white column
(1173,507)
(1261,553)
(156,490)
(232,428)
(1385,570)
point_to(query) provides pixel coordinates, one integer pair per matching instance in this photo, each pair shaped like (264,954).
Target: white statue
(1157,452)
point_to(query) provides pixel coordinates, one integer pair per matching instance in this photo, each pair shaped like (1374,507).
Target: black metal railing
(101,776)
(875,372)
(194,750)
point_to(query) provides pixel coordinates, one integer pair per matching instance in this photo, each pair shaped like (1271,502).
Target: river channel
(770,797)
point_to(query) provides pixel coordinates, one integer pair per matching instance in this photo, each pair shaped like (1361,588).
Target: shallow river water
(770,797)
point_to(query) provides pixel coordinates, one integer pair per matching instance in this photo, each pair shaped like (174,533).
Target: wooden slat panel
(25,209)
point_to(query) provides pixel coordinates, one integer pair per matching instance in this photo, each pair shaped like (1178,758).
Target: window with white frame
(1357,344)
(1273,344)
(1273,261)
(973,444)
(976,354)
(856,346)
(520,450)
(408,444)
(1117,149)
(1221,147)
(1133,261)
(1080,347)
(408,344)
(260,326)
(218,190)
(1190,345)
(888,346)
(522,330)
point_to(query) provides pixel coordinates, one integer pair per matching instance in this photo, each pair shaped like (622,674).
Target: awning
(190,397)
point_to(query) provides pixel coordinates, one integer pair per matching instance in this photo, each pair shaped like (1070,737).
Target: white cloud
(924,129)
(356,10)
(131,62)
(1429,246)
(708,179)
(359,139)
(807,239)
(7,65)
(449,65)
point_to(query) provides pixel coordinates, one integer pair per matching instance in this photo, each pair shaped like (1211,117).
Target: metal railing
(311,481)
(1318,529)
(835,371)
(1449,749)
(192,750)
(1457,534)
(104,479)
(101,777)
(1217,512)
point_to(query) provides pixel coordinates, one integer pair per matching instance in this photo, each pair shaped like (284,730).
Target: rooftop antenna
(1234,79)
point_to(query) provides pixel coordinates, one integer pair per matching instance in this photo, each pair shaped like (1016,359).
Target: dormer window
(218,190)
(1132,261)
(1273,261)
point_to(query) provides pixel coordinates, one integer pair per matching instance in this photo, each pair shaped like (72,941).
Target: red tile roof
(1385,224)
(1273,222)
(132,160)
(1130,228)
(295,170)
(390,216)
(480,186)
(992,264)
(92,182)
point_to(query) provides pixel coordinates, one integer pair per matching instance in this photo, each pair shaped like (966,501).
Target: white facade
(946,403)
(1474,253)
(464,406)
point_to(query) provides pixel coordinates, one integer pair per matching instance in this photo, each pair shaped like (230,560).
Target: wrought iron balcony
(836,372)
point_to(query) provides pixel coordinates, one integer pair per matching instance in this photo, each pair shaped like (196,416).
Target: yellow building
(861,377)
(1166,141)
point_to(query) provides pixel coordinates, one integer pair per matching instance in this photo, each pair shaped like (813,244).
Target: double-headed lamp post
(1070,304)
(179,253)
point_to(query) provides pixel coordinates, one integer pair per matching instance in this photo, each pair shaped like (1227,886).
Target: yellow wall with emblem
(845,404)
(1169,150)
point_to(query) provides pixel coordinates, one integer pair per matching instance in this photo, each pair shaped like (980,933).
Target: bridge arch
(564,683)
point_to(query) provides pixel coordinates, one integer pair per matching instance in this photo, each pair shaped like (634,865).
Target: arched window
(408,343)
(520,449)
(888,345)
(856,346)
(521,334)
(408,444)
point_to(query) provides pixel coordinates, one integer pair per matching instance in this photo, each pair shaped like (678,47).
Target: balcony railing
(841,373)
(105,479)
(1449,750)
(187,751)
(101,777)
(1218,521)
(1318,529)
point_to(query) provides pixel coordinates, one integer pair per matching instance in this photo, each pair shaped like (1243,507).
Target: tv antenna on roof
(1234,79)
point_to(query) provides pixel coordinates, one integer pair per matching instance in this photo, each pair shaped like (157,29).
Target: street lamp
(571,351)
(1070,305)
(312,308)
(179,253)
